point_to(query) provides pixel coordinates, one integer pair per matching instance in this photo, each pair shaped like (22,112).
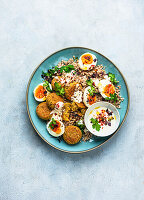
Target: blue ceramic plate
(40,125)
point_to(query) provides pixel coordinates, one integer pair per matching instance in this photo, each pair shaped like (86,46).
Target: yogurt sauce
(106,119)
(57,112)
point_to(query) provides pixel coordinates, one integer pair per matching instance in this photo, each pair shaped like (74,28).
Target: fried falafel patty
(52,99)
(72,134)
(69,90)
(66,112)
(43,111)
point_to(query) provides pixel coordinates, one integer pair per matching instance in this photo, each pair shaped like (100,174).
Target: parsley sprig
(95,124)
(112,97)
(92,89)
(112,78)
(67,68)
(47,85)
(52,123)
(59,89)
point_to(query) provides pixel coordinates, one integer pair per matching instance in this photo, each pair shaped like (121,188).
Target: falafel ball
(69,90)
(43,111)
(52,99)
(66,112)
(72,134)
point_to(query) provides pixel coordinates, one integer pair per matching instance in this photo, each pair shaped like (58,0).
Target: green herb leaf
(107,98)
(46,74)
(53,122)
(69,68)
(90,82)
(112,97)
(59,89)
(92,89)
(47,86)
(95,124)
(112,78)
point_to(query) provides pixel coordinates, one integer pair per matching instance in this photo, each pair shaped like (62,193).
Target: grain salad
(69,89)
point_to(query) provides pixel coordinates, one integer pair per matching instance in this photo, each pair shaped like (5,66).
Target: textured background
(30,30)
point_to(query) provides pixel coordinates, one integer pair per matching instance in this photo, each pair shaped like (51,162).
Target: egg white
(85,96)
(102,85)
(87,66)
(44,98)
(52,132)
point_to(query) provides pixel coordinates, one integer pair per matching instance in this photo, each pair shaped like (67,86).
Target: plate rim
(27,90)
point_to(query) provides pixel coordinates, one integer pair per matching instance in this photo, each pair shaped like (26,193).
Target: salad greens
(112,78)
(67,68)
(51,72)
(59,89)
(47,85)
(112,97)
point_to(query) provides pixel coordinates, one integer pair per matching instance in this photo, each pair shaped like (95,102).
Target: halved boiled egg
(87,61)
(55,128)
(87,99)
(106,88)
(40,93)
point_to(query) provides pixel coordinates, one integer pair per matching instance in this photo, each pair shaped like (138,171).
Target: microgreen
(112,78)
(95,124)
(59,89)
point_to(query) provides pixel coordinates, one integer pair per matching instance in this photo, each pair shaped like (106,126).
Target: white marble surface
(30,30)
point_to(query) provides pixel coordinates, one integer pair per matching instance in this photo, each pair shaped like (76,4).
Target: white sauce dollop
(57,111)
(77,97)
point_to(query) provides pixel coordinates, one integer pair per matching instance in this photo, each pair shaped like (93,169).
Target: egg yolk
(109,89)
(87,59)
(91,99)
(56,127)
(40,92)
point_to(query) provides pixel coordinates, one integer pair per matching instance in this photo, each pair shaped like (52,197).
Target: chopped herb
(112,97)
(53,123)
(95,124)
(92,89)
(47,86)
(112,78)
(90,82)
(59,89)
